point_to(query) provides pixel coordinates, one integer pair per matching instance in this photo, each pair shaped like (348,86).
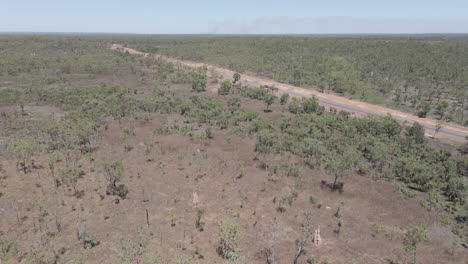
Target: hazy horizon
(233,34)
(241,17)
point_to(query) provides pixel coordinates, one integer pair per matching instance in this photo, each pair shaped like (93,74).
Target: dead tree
(271,237)
(307,232)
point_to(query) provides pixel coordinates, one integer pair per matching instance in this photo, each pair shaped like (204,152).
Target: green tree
(236,77)
(114,173)
(284,99)
(84,131)
(455,189)
(54,129)
(269,100)
(463,149)
(234,104)
(423,109)
(310,105)
(416,132)
(199,82)
(340,164)
(229,237)
(415,235)
(267,142)
(70,176)
(295,106)
(22,149)
(225,88)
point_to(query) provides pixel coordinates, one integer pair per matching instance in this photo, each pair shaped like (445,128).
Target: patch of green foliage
(229,237)
(199,80)
(8,248)
(379,145)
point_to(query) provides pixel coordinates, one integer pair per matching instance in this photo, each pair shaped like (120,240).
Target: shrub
(23,149)
(89,241)
(8,248)
(199,81)
(234,104)
(182,260)
(267,142)
(246,115)
(295,106)
(114,173)
(254,92)
(456,189)
(198,223)
(415,235)
(209,133)
(236,77)
(312,199)
(229,237)
(416,132)
(70,177)
(269,100)
(259,124)
(225,88)
(284,99)
(310,105)
(423,109)
(132,248)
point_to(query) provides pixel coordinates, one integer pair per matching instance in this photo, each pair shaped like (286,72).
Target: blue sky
(235,17)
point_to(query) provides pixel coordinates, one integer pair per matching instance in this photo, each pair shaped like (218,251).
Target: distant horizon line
(223,34)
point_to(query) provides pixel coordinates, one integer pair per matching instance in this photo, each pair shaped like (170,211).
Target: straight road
(449,131)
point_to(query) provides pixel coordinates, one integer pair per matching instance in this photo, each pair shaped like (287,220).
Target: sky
(235,17)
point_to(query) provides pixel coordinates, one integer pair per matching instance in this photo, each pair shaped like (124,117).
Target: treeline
(46,60)
(426,75)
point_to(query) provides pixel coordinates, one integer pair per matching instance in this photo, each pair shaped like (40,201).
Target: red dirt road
(449,131)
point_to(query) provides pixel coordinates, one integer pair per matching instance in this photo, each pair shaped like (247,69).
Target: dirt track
(449,131)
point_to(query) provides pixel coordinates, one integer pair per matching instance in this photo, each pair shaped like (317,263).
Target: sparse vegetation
(132,248)
(236,77)
(284,99)
(83,121)
(225,88)
(89,241)
(114,173)
(269,100)
(8,248)
(415,235)
(198,223)
(307,233)
(199,80)
(23,149)
(229,237)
